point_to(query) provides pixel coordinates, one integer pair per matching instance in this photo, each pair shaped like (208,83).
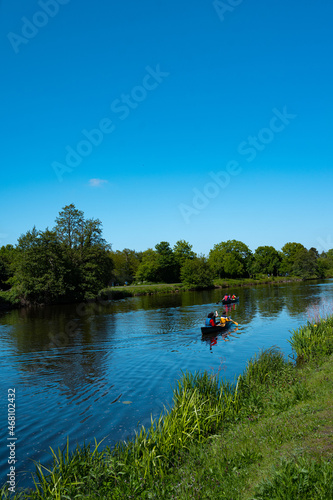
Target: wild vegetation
(265,436)
(73,262)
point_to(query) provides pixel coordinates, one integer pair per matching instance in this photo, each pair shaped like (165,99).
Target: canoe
(229,301)
(215,330)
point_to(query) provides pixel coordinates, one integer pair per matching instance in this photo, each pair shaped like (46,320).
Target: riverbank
(165,288)
(266,436)
(8,301)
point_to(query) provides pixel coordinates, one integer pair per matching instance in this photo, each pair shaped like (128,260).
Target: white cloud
(97,182)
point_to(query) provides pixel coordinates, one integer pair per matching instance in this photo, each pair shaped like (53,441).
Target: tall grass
(315,339)
(301,479)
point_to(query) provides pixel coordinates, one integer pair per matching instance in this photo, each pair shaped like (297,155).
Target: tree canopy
(73,262)
(230,259)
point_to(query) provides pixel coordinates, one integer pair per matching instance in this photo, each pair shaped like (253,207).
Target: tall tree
(72,262)
(7,258)
(230,259)
(41,268)
(266,260)
(196,273)
(126,263)
(70,226)
(305,264)
(182,251)
(147,269)
(167,267)
(289,251)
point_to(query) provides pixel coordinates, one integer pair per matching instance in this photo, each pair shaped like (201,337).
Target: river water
(101,370)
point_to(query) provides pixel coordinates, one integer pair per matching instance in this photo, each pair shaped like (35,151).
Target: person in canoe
(210,320)
(224,318)
(233,297)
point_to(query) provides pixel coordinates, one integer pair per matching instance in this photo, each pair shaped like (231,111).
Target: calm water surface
(100,370)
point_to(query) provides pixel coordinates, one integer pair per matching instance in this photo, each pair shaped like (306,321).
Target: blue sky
(203,121)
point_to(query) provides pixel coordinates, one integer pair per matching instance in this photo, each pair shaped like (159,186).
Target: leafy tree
(325,264)
(314,251)
(230,259)
(182,251)
(289,251)
(232,266)
(92,234)
(95,270)
(126,263)
(167,268)
(196,273)
(158,265)
(70,226)
(147,269)
(41,267)
(71,262)
(305,264)
(7,256)
(266,260)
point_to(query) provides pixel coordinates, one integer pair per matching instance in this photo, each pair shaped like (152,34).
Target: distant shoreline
(122,292)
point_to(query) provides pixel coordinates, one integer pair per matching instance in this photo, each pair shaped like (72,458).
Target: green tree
(266,260)
(305,264)
(196,273)
(289,251)
(70,226)
(72,262)
(325,264)
(182,251)
(126,264)
(158,265)
(95,270)
(7,257)
(230,259)
(41,268)
(167,267)
(147,269)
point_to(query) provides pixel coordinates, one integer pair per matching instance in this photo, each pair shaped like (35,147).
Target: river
(100,370)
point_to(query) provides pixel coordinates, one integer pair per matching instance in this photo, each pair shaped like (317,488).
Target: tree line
(73,262)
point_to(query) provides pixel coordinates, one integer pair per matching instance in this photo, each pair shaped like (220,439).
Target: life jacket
(226,297)
(208,322)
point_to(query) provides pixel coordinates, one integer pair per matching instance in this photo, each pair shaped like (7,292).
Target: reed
(313,341)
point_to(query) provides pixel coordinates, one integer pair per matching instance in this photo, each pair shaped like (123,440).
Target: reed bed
(315,339)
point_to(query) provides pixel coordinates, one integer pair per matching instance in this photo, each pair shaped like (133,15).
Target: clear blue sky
(181,93)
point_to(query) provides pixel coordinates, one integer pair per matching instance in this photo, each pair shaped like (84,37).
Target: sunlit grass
(314,340)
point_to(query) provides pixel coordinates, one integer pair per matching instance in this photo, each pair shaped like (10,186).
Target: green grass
(263,280)
(120,292)
(267,436)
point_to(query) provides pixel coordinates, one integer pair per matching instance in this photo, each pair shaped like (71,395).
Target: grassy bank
(9,301)
(164,288)
(136,290)
(228,283)
(268,436)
